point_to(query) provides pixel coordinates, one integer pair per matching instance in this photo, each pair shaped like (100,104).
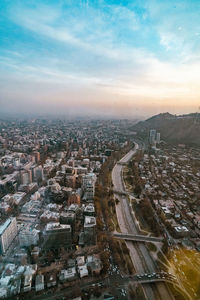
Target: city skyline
(99,58)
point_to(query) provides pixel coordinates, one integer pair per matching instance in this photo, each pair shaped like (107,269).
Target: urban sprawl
(49,171)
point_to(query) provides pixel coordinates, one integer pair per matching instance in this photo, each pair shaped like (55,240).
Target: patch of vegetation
(145,213)
(152,247)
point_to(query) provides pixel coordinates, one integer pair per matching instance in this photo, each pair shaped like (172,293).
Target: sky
(99,57)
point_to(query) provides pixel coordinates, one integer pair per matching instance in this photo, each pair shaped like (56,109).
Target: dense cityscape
(48,175)
(99,150)
(65,222)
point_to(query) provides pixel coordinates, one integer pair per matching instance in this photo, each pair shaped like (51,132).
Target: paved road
(140,256)
(114,281)
(138,237)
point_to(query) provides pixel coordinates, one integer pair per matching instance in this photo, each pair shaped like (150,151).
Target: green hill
(177,129)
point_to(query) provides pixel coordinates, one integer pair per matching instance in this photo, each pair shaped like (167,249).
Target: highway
(140,256)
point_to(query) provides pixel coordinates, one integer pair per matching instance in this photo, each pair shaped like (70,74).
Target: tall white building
(158,137)
(8,232)
(152,136)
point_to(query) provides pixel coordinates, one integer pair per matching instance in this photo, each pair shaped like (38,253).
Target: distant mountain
(177,129)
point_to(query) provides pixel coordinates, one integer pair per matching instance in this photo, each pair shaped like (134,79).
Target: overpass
(153,277)
(148,278)
(122,193)
(137,237)
(160,277)
(153,280)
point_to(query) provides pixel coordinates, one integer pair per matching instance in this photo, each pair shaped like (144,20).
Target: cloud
(176,23)
(96,36)
(130,52)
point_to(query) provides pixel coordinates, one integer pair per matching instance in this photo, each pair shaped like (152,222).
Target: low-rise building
(83,271)
(181,231)
(69,274)
(94,264)
(80,260)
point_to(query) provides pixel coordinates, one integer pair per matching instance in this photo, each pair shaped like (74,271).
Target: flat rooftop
(57,225)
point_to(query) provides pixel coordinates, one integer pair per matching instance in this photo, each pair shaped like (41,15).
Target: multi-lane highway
(140,256)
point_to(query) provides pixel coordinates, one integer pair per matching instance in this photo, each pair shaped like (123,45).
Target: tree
(97,292)
(137,190)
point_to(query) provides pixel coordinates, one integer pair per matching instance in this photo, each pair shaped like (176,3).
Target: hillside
(177,129)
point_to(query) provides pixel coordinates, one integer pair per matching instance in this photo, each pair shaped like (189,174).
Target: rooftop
(89,221)
(57,225)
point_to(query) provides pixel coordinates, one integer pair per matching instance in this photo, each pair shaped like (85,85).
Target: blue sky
(122,58)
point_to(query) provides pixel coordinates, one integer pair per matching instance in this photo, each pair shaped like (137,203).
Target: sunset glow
(103,58)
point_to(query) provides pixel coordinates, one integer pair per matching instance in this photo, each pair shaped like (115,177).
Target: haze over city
(99,150)
(99,58)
